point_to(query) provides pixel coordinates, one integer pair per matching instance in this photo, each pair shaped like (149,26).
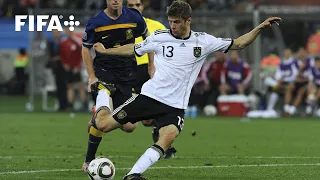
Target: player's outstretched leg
(171,152)
(154,153)
(95,135)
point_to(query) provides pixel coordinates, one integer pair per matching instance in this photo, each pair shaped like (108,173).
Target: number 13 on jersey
(167,51)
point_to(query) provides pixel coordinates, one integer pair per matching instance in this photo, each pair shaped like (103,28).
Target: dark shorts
(142,107)
(123,91)
(299,85)
(73,77)
(142,77)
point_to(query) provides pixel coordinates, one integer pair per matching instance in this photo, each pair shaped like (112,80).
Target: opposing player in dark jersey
(114,26)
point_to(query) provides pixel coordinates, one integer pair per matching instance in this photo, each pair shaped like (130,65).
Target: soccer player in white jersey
(179,55)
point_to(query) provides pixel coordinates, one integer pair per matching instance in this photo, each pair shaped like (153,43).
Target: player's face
(114,4)
(302,54)
(178,25)
(287,53)
(136,4)
(68,33)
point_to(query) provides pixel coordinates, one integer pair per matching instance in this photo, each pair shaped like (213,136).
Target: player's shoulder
(132,13)
(160,35)
(199,34)
(161,32)
(96,19)
(202,36)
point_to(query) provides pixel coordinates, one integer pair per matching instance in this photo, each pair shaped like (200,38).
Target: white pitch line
(57,157)
(166,167)
(178,157)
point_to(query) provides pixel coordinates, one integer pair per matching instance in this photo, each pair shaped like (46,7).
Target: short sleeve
(88,38)
(218,44)
(145,46)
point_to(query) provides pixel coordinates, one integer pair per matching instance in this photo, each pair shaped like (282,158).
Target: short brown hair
(179,9)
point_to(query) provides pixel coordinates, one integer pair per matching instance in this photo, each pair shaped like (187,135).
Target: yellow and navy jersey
(113,33)
(152,26)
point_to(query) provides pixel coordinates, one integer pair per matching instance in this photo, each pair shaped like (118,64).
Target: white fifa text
(52,23)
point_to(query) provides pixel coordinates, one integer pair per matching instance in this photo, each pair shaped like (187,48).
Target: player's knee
(129,127)
(147,123)
(169,133)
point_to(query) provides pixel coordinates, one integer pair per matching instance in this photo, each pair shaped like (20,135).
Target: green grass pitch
(52,146)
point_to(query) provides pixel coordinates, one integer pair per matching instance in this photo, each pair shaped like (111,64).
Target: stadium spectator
(284,76)
(303,64)
(211,75)
(58,70)
(236,77)
(270,63)
(70,57)
(20,64)
(198,96)
(313,44)
(314,87)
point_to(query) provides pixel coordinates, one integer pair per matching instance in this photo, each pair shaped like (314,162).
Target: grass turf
(52,146)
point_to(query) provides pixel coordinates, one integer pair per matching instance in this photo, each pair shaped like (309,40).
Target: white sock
(272,101)
(103,99)
(150,157)
(286,108)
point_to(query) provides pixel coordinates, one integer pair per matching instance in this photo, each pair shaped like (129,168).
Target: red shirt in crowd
(70,52)
(212,71)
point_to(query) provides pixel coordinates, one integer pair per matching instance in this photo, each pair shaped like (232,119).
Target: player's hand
(92,80)
(268,22)
(99,47)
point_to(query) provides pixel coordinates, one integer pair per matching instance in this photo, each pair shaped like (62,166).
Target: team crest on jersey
(122,114)
(197,51)
(129,34)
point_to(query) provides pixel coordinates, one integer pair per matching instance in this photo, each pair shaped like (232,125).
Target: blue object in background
(11,39)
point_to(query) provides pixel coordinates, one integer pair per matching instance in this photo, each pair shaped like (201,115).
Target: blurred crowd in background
(290,77)
(11,7)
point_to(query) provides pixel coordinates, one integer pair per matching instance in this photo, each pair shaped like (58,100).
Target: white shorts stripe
(130,100)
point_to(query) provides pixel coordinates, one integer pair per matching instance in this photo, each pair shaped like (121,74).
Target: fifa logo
(44,20)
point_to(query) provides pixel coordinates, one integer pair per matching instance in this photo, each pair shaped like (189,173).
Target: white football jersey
(178,63)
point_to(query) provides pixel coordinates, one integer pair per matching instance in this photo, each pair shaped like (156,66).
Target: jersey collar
(179,37)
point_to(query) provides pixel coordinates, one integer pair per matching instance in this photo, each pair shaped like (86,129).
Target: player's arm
(151,67)
(246,39)
(140,49)
(125,50)
(88,40)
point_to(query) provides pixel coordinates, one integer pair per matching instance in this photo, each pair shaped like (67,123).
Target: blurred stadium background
(32,95)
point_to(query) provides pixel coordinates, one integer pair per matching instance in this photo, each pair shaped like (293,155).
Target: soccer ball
(210,110)
(101,169)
